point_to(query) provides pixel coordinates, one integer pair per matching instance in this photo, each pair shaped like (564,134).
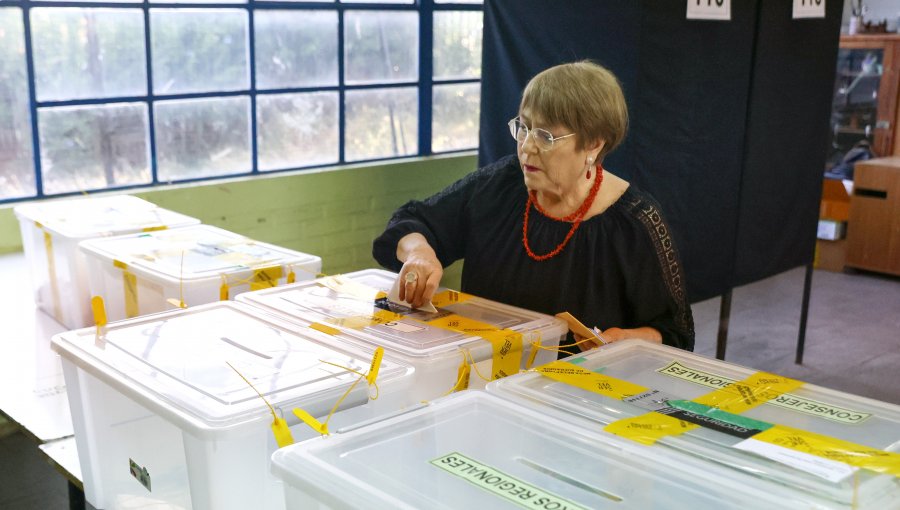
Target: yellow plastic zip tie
(280,428)
(474,366)
(291,277)
(325,329)
(51,273)
(179,303)
(223,289)
(531,356)
(305,417)
(375,365)
(266,277)
(99,310)
(462,376)
(154,229)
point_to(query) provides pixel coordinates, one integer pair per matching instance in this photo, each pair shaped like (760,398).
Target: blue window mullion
(32,103)
(251,62)
(426,53)
(342,99)
(148,55)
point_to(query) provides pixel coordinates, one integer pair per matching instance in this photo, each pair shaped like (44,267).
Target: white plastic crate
(156,393)
(436,353)
(477,450)
(682,375)
(149,272)
(51,232)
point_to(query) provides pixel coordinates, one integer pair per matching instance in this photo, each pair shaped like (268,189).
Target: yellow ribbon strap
(129,283)
(266,277)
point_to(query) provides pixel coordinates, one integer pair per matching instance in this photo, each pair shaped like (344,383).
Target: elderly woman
(549,229)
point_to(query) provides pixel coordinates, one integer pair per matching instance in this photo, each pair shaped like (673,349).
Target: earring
(590,161)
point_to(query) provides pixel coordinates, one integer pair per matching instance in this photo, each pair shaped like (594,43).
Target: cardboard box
(835,204)
(830,255)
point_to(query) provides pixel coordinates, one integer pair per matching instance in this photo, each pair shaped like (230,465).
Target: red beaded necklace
(576,218)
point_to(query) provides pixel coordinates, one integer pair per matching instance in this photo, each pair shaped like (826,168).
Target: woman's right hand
(421,273)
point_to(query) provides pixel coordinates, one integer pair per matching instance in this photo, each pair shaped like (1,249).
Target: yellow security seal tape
(129,289)
(755,390)
(506,344)
(832,448)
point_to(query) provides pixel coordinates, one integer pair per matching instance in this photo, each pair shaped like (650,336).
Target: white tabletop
(64,456)
(32,389)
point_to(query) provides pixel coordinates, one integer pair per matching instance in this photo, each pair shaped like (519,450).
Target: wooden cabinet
(865,95)
(873,231)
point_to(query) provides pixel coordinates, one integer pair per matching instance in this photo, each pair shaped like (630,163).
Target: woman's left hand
(615,334)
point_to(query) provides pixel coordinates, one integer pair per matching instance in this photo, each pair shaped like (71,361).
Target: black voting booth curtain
(729,119)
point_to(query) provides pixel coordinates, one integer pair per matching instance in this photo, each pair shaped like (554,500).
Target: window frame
(424,85)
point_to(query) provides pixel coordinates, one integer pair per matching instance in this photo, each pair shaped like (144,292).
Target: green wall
(334,214)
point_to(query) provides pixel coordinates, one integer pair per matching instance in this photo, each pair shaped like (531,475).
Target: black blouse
(620,269)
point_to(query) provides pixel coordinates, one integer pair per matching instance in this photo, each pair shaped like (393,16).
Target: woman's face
(555,170)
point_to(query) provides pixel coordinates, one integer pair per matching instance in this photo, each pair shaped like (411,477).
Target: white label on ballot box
(831,470)
(709,9)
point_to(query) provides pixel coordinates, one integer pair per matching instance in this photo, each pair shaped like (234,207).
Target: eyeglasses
(542,138)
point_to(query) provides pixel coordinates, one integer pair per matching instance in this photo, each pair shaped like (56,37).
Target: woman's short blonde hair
(582,96)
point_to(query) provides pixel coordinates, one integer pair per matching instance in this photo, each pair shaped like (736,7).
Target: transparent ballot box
(439,345)
(795,434)
(477,450)
(51,232)
(149,272)
(162,421)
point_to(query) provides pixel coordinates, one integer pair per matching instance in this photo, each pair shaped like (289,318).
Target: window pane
(454,122)
(202,137)
(457,45)
(91,147)
(199,50)
(88,53)
(459,1)
(381,47)
(381,123)
(297,130)
(296,48)
(377,1)
(16,162)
